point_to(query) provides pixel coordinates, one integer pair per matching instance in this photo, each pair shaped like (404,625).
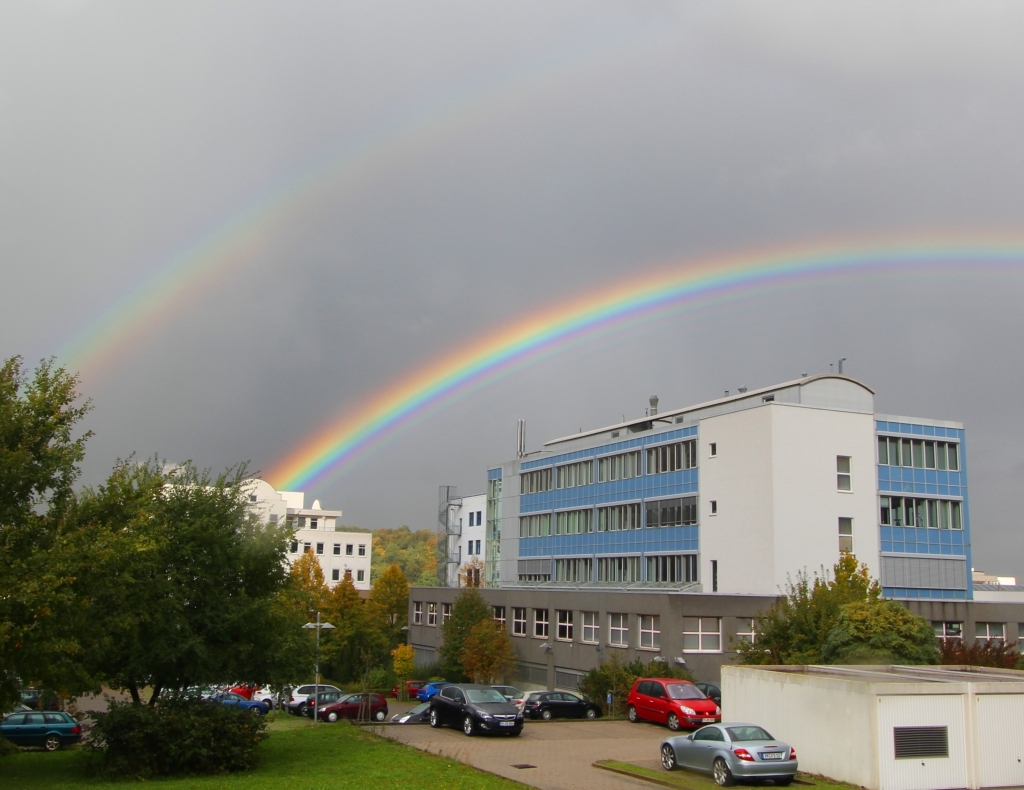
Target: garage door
(921,743)
(1000,739)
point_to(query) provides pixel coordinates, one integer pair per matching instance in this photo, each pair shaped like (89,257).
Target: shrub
(618,678)
(7,748)
(175,736)
(993,653)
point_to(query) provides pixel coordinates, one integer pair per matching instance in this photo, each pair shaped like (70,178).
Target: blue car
(429,690)
(49,729)
(258,707)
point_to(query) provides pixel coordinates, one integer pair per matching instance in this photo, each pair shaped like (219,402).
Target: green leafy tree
(359,641)
(389,602)
(468,609)
(828,618)
(414,552)
(39,463)
(618,677)
(487,653)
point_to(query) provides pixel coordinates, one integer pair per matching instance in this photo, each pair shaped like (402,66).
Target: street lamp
(316,667)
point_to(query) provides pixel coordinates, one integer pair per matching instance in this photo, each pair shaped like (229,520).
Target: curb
(634,775)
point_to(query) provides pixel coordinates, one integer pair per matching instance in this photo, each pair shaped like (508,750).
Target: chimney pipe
(742,390)
(841,361)
(654,405)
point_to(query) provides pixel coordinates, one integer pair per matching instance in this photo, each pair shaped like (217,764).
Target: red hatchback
(411,688)
(350,707)
(677,703)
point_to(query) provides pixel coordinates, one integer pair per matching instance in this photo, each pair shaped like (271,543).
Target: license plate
(771,755)
(507,723)
(707,721)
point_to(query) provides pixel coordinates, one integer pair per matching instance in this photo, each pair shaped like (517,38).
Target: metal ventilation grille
(913,742)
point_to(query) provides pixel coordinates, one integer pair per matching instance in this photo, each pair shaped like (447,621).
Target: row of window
(922,513)
(664,458)
(681,511)
(677,568)
(307,547)
(336,574)
(473,548)
(476,518)
(302,522)
(918,454)
(982,631)
(700,634)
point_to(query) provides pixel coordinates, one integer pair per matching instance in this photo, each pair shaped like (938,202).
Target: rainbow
(665,288)
(210,261)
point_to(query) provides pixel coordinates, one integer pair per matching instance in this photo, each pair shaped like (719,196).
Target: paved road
(562,751)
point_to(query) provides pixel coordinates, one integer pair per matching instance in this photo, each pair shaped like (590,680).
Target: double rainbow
(328,449)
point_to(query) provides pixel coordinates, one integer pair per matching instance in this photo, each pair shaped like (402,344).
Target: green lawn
(296,756)
(691,780)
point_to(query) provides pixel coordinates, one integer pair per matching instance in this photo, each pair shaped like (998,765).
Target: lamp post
(316,667)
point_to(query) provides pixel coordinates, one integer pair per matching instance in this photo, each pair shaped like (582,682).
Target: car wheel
(632,714)
(673,722)
(591,713)
(668,757)
(723,776)
(546,715)
(380,715)
(52,743)
(303,710)
(256,710)
(435,720)
(332,716)
(467,726)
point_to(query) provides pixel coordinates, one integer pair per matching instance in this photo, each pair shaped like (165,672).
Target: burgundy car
(351,706)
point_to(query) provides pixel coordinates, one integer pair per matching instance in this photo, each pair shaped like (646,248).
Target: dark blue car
(429,690)
(260,708)
(49,729)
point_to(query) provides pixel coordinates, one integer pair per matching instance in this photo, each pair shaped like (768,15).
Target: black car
(37,699)
(475,709)
(302,704)
(712,691)
(549,705)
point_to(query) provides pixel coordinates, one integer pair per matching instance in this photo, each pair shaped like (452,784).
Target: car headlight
(487,717)
(687,711)
(323,710)
(404,719)
(718,710)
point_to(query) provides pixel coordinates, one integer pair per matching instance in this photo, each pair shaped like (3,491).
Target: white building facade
(315,531)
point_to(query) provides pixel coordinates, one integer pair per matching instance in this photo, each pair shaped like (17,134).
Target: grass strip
(297,756)
(691,780)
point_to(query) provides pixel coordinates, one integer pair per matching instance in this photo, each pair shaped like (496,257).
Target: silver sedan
(731,751)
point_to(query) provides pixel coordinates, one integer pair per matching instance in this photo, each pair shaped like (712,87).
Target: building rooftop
(897,673)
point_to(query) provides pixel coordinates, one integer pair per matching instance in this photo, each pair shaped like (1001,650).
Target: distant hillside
(415,553)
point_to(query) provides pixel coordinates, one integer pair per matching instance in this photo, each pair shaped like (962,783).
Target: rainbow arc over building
(670,287)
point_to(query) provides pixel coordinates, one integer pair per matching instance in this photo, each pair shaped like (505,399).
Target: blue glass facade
(931,483)
(633,490)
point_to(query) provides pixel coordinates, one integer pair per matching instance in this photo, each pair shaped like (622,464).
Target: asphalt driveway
(561,751)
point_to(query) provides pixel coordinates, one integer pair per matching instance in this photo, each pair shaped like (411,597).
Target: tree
(414,552)
(389,600)
(39,463)
(487,652)
(359,642)
(615,677)
(472,573)
(468,609)
(988,653)
(403,662)
(307,586)
(827,619)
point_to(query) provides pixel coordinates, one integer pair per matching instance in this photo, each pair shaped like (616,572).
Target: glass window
(953,458)
(446,612)
(431,614)
(574,522)
(319,548)
(905,454)
(572,475)
(672,457)
(348,549)
(312,523)
(538,526)
(843,477)
(618,629)
(918,454)
(337,549)
(714,507)
(564,624)
(499,615)
(884,516)
(672,568)
(746,631)
(990,631)
(335,575)
(702,635)
(519,620)
(618,467)
(535,482)
(417,613)
(577,569)
(362,549)
(846,535)
(947,630)
(307,548)
(294,548)
(540,623)
(672,512)
(618,517)
(650,631)
(618,569)
(954,508)
(883,450)
(713,449)
(590,627)
(894,452)
(940,455)
(929,455)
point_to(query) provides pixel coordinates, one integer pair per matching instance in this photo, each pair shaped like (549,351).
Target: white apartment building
(315,531)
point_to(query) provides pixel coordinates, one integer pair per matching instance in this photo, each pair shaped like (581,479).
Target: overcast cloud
(590,140)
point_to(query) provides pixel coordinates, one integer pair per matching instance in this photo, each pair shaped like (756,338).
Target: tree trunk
(156,693)
(134,691)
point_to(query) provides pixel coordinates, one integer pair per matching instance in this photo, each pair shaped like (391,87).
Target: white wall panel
(929,773)
(1000,739)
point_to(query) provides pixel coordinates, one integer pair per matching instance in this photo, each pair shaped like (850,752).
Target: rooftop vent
(654,405)
(742,390)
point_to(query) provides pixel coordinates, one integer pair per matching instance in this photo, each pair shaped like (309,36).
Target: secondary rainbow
(665,288)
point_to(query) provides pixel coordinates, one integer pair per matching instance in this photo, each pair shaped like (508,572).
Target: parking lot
(561,751)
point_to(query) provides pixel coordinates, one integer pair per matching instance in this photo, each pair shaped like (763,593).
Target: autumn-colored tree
(403,661)
(358,641)
(468,609)
(389,599)
(990,653)
(308,588)
(487,652)
(414,552)
(471,574)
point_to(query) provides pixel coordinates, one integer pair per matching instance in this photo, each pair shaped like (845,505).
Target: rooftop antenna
(831,367)
(803,375)
(727,393)
(654,404)
(521,439)
(841,361)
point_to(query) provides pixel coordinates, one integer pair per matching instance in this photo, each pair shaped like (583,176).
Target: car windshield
(684,691)
(350,698)
(484,695)
(748,734)
(423,706)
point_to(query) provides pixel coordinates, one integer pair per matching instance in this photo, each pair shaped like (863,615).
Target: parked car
(243,690)
(321,699)
(300,695)
(508,692)
(429,690)
(731,751)
(475,709)
(519,700)
(39,699)
(272,699)
(549,705)
(351,705)
(418,715)
(240,702)
(412,688)
(677,703)
(49,729)
(712,691)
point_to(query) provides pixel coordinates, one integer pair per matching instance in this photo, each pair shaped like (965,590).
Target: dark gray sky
(562,146)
